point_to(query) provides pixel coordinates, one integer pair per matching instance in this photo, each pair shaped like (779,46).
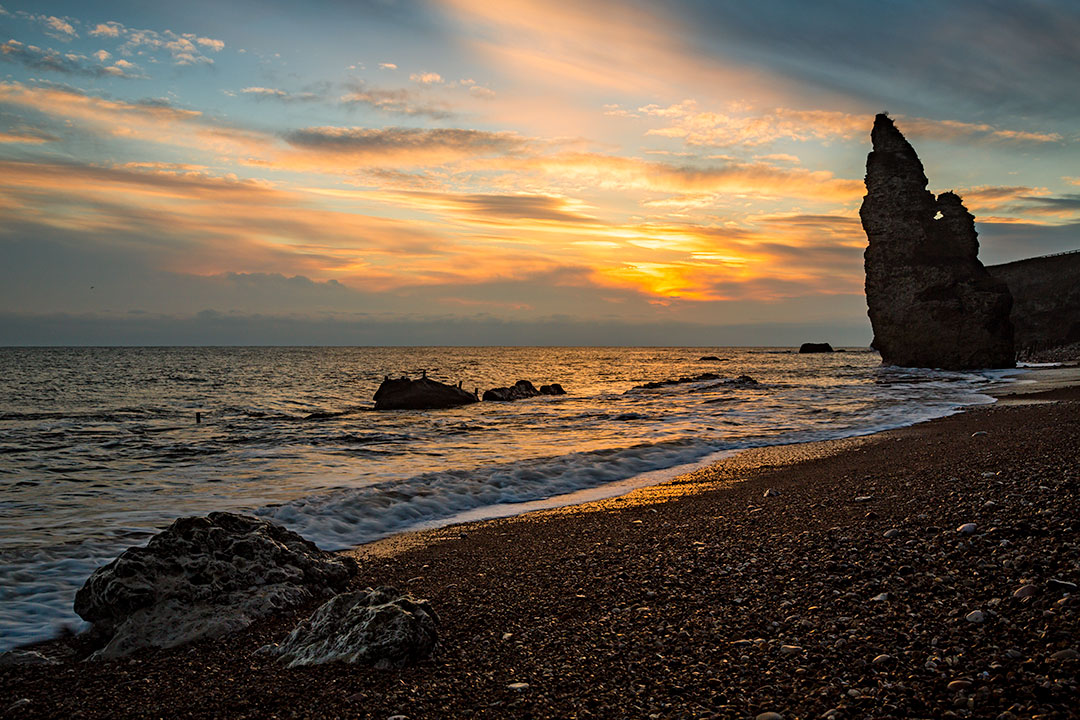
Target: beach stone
(960,685)
(882,659)
(975,616)
(769,716)
(966,528)
(1025,591)
(422,394)
(518,686)
(380,627)
(1056,585)
(790,649)
(931,302)
(1068,654)
(25,657)
(880,598)
(888,534)
(205,577)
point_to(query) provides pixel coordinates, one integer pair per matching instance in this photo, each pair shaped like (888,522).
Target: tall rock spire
(931,302)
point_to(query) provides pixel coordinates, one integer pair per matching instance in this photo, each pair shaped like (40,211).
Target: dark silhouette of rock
(422,394)
(709,358)
(520,390)
(741,381)
(552,389)
(382,627)
(931,302)
(815,348)
(1046,305)
(204,577)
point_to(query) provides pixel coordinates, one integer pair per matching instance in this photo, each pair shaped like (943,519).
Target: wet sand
(845,593)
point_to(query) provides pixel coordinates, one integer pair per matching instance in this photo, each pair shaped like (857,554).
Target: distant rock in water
(815,348)
(741,381)
(522,390)
(709,358)
(931,302)
(422,394)
(382,627)
(204,577)
(703,377)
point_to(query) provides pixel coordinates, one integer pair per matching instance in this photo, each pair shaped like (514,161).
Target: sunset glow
(681,166)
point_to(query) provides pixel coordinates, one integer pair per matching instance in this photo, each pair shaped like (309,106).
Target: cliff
(1046,305)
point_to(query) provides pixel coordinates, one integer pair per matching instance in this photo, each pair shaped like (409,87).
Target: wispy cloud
(427,78)
(394,101)
(264,93)
(38,58)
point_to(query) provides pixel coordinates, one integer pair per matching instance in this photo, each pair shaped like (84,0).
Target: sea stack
(931,302)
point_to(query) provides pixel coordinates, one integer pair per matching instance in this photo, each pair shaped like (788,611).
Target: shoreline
(678,599)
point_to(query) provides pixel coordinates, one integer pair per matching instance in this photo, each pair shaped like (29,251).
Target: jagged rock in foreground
(815,348)
(931,302)
(204,577)
(379,627)
(422,394)
(521,390)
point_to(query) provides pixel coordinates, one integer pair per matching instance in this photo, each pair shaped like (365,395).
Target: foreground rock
(379,627)
(703,377)
(931,302)
(522,390)
(815,348)
(422,394)
(205,577)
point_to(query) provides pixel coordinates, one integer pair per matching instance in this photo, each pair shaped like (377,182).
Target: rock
(1056,585)
(960,685)
(25,657)
(703,377)
(975,616)
(770,492)
(1025,591)
(967,528)
(891,533)
(931,302)
(863,498)
(521,390)
(518,686)
(882,659)
(815,348)
(204,577)
(880,598)
(709,358)
(379,627)
(979,433)
(790,649)
(422,394)
(769,716)
(1068,654)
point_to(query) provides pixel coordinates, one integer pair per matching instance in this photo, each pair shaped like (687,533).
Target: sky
(467,172)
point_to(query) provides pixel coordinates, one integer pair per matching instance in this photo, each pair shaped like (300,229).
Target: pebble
(790,649)
(883,658)
(880,598)
(769,716)
(891,533)
(1025,591)
(959,685)
(398,717)
(771,493)
(966,528)
(1061,585)
(979,433)
(519,686)
(1068,654)
(863,498)
(975,616)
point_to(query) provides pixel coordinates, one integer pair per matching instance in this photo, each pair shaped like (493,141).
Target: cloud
(59,28)
(427,78)
(954,129)
(212,44)
(263,93)
(109,29)
(26,135)
(183,48)
(397,102)
(402,145)
(387,66)
(37,58)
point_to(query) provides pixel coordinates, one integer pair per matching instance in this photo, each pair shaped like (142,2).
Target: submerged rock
(931,302)
(815,348)
(422,394)
(552,389)
(703,377)
(204,577)
(379,627)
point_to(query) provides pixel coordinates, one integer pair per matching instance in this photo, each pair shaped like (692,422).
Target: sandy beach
(819,580)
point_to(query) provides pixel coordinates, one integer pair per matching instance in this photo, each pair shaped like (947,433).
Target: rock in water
(521,390)
(422,394)
(931,302)
(204,577)
(815,348)
(375,627)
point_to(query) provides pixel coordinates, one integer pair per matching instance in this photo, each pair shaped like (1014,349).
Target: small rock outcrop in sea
(815,348)
(709,358)
(381,627)
(204,577)
(422,394)
(521,390)
(931,302)
(741,381)
(703,377)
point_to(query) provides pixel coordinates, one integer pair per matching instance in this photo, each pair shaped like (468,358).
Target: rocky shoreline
(820,580)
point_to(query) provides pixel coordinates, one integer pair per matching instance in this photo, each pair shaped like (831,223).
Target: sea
(100,448)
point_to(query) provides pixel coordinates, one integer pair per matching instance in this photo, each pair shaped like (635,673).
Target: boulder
(703,377)
(379,627)
(815,348)
(422,394)
(552,389)
(741,381)
(204,577)
(930,300)
(709,358)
